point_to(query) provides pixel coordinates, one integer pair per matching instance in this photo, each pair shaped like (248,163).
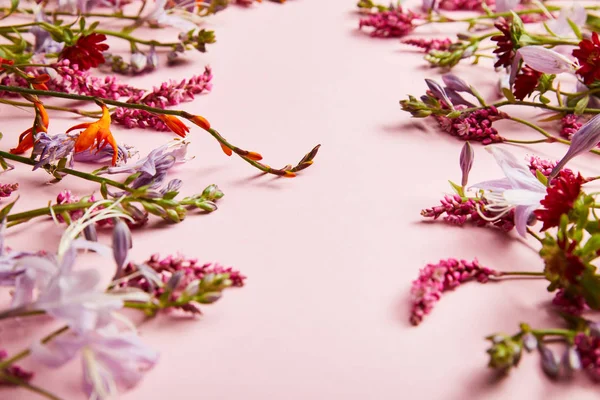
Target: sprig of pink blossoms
(436,279)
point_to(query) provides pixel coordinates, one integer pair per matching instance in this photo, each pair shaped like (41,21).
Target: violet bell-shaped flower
(153,168)
(519,190)
(543,60)
(582,141)
(111,359)
(438,91)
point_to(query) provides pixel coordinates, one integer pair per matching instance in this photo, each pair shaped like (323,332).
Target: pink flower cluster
(429,44)
(6,189)
(191,271)
(588,348)
(459,212)
(464,5)
(168,94)
(474,126)
(389,24)
(435,279)
(569,125)
(569,304)
(14,371)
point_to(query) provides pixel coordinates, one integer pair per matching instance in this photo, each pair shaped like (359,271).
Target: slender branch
(521,273)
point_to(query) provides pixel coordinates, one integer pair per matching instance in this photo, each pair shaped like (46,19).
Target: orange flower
(201,122)
(226,150)
(96,133)
(174,124)
(39,82)
(26,138)
(254,156)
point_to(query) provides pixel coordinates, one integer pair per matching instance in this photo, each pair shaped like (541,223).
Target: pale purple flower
(466,162)
(152,60)
(519,190)
(153,168)
(161,16)
(584,140)
(549,361)
(121,243)
(541,59)
(560,26)
(138,62)
(438,91)
(111,359)
(455,83)
(43,40)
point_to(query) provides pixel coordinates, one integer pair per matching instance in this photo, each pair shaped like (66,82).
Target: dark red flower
(560,198)
(588,55)
(505,50)
(389,24)
(526,82)
(87,52)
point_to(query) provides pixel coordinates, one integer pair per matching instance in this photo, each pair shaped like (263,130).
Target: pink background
(329,255)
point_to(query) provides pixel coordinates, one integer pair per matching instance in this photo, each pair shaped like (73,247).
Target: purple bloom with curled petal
(438,91)
(582,141)
(121,242)
(153,168)
(111,359)
(43,40)
(455,83)
(519,190)
(541,59)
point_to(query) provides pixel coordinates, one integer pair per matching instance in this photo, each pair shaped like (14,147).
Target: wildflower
(429,44)
(86,53)
(476,125)
(466,162)
(96,133)
(6,189)
(161,15)
(588,55)
(519,190)
(543,60)
(138,62)
(584,140)
(121,244)
(40,125)
(569,125)
(435,279)
(588,349)
(153,168)
(569,303)
(390,23)
(549,361)
(110,358)
(201,122)
(526,82)
(438,92)
(505,50)
(174,124)
(560,198)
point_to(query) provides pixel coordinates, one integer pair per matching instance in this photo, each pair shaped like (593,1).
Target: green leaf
(593,227)
(575,28)
(14,4)
(551,118)
(590,284)
(93,26)
(6,209)
(509,95)
(541,177)
(82,24)
(582,105)
(457,188)
(592,245)
(544,100)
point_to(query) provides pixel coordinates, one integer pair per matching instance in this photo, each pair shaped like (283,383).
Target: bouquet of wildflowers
(547,59)
(53,50)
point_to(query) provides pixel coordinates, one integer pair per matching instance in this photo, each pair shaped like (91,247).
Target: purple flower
(43,41)
(584,140)
(153,168)
(455,83)
(161,16)
(138,62)
(519,190)
(110,359)
(438,91)
(121,242)
(541,59)
(466,162)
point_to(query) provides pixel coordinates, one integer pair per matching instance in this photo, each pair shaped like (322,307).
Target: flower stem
(287,171)
(26,385)
(55,108)
(554,332)
(100,15)
(69,171)
(526,141)
(521,273)
(17,218)
(133,39)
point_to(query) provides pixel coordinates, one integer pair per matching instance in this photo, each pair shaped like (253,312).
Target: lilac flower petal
(584,140)
(457,99)
(57,352)
(493,185)
(121,243)
(455,83)
(560,26)
(546,60)
(438,91)
(466,162)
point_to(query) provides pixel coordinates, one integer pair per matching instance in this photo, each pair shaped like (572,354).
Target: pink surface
(329,255)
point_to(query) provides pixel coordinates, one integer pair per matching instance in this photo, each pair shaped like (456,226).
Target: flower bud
(212,193)
(121,243)
(89,232)
(571,360)
(138,61)
(529,342)
(455,83)
(172,216)
(466,162)
(208,298)
(504,353)
(173,282)
(206,205)
(438,91)
(549,361)
(584,140)
(201,122)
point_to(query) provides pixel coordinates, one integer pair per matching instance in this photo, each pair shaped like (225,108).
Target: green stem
(526,141)
(100,15)
(18,218)
(55,108)
(26,385)
(521,273)
(133,39)
(535,235)
(68,171)
(554,332)
(24,353)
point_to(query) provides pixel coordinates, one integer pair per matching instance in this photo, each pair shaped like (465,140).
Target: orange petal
(43,78)
(39,86)
(43,114)
(226,150)
(201,122)
(289,174)
(87,138)
(25,142)
(254,156)
(80,126)
(175,124)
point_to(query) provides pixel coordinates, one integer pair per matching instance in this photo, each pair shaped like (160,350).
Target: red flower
(526,82)
(505,50)
(559,198)
(4,61)
(588,55)
(87,52)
